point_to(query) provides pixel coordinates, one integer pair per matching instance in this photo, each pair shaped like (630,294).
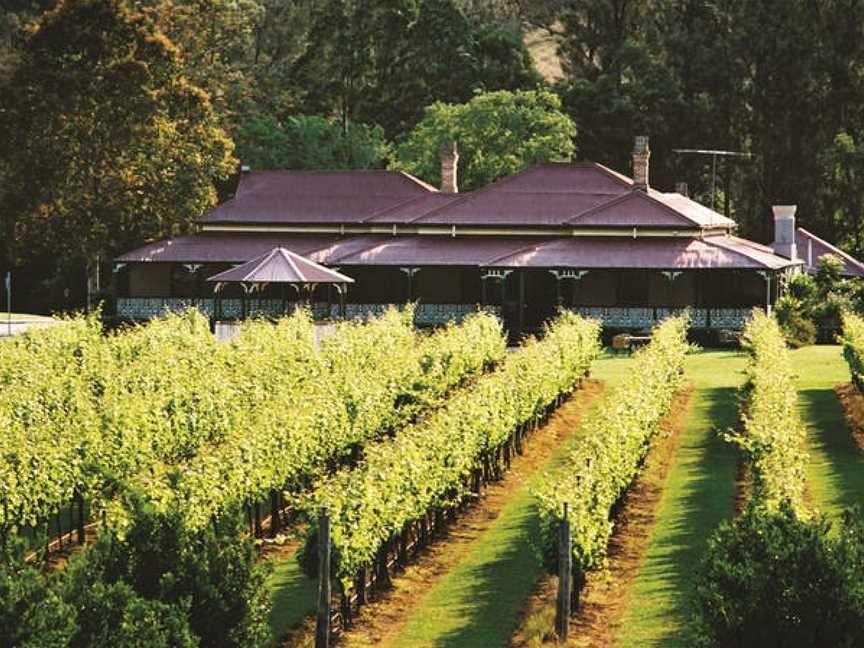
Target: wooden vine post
(565,579)
(322,628)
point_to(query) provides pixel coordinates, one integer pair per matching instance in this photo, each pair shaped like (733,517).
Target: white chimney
(784,231)
(682,188)
(641,153)
(449,168)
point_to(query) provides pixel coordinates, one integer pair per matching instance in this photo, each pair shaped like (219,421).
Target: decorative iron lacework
(710,318)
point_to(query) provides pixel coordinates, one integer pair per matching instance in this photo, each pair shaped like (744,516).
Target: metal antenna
(714,155)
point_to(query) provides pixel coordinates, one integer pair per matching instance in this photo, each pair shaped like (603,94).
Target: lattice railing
(646,317)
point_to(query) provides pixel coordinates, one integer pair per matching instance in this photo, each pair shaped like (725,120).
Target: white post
(9,301)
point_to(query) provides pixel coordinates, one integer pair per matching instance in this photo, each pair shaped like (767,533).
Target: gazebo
(280,266)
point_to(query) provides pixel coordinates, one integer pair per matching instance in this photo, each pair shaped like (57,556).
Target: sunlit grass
(835,470)
(699,494)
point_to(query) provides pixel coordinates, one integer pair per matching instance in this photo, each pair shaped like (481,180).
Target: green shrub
(773,579)
(213,572)
(32,614)
(797,328)
(115,616)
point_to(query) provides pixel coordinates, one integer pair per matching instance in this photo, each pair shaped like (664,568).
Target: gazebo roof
(280,266)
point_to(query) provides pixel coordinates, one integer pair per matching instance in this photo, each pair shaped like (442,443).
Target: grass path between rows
(477,600)
(293,595)
(699,494)
(835,471)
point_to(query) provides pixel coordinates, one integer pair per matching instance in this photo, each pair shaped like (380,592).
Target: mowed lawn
(835,475)
(699,494)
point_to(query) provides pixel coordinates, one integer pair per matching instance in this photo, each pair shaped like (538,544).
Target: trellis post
(322,629)
(565,579)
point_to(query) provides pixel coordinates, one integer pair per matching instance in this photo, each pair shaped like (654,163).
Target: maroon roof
(316,196)
(428,251)
(633,209)
(810,248)
(690,209)
(551,194)
(541,195)
(413,209)
(280,266)
(223,247)
(482,251)
(716,252)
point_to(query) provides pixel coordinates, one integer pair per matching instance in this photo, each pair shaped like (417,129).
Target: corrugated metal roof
(217,247)
(654,253)
(760,255)
(431,251)
(414,208)
(316,196)
(280,266)
(811,247)
(481,251)
(633,209)
(694,211)
(550,194)
(512,209)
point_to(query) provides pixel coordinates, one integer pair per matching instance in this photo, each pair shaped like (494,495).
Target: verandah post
(322,628)
(565,574)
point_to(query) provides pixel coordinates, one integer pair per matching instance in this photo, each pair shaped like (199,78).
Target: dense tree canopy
(310,142)
(111,144)
(779,81)
(497,134)
(384,62)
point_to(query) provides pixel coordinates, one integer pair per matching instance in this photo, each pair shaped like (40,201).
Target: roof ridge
(463,196)
(635,193)
(615,175)
(712,240)
(842,253)
(533,246)
(323,171)
(418,181)
(752,244)
(392,208)
(255,266)
(287,255)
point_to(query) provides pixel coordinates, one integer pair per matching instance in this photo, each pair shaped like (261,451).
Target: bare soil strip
(853,409)
(743,482)
(381,620)
(605,596)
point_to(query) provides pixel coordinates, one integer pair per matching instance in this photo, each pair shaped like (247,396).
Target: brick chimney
(449,168)
(641,153)
(784,231)
(682,188)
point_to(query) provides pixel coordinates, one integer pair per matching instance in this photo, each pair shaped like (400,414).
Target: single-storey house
(581,236)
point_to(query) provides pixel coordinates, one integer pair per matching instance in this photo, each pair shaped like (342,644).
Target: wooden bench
(626,342)
(636,341)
